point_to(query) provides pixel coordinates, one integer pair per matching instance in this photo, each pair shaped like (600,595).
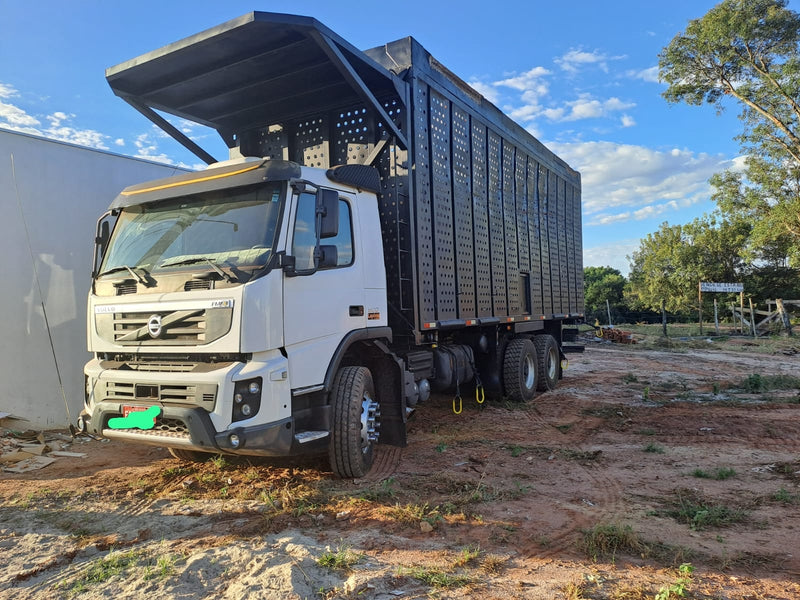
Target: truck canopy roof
(256,69)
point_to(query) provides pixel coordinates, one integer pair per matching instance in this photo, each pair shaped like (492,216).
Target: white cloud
(577,58)
(486,90)
(587,107)
(58,127)
(627,121)
(119,142)
(650,74)
(528,81)
(626,183)
(613,254)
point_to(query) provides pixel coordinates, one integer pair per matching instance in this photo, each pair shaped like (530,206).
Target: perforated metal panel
(480,212)
(354,135)
(443,241)
(424,213)
(578,250)
(270,142)
(535,236)
(552,238)
(523,233)
(510,227)
(562,222)
(462,206)
(308,143)
(496,233)
(570,246)
(544,240)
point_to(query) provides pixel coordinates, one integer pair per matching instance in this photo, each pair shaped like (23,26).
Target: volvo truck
(378,232)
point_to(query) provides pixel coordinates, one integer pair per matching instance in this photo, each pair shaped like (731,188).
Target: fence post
(753,319)
(787,324)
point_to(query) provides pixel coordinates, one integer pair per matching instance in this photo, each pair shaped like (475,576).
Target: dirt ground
(644,459)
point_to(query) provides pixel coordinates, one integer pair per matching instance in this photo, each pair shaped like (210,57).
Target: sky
(582,77)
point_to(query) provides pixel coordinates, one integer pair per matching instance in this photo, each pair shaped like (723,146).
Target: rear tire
(190,455)
(520,370)
(355,423)
(548,364)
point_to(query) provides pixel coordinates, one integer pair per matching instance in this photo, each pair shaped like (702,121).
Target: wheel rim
(529,372)
(369,422)
(552,365)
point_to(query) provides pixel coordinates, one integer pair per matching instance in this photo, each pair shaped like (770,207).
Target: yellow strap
(460,405)
(480,394)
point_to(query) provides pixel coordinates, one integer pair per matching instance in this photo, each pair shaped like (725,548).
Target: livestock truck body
(379,231)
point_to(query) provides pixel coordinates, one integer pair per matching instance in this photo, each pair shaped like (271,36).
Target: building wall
(51,195)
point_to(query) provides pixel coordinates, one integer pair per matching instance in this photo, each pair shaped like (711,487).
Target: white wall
(51,195)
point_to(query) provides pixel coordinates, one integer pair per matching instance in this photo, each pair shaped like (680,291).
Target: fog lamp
(254,388)
(246,410)
(234,440)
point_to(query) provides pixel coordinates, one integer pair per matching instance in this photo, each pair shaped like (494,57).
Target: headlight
(246,399)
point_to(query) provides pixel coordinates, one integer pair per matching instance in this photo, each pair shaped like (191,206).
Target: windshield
(229,228)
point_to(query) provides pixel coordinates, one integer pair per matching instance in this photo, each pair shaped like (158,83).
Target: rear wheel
(190,455)
(519,370)
(354,431)
(548,362)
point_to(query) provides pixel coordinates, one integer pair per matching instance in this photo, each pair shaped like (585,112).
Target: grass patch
(720,474)
(653,448)
(699,514)
(436,578)
(786,497)
(757,383)
(342,559)
(100,571)
(607,540)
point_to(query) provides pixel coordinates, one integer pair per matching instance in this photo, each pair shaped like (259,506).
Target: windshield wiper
(198,259)
(136,276)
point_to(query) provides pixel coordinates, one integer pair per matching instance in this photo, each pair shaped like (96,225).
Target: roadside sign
(706,286)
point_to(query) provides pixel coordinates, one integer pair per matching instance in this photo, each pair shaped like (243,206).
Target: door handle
(356,311)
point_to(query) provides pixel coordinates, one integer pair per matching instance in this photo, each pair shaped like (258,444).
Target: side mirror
(329,256)
(101,240)
(328,213)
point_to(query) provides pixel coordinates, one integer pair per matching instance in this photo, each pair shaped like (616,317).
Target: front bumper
(198,433)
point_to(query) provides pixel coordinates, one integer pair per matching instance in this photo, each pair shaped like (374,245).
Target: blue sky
(581,76)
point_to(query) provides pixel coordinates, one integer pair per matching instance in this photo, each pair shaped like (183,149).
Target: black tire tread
(512,374)
(190,455)
(346,458)
(543,344)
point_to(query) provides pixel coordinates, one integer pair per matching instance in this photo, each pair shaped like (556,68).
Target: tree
(601,284)
(749,51)
(669,263)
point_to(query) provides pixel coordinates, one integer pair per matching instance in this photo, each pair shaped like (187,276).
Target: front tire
(355,423)
(519,370)
(190,455)
(549,362)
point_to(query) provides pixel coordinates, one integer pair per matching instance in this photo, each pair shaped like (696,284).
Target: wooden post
(787,324)
(664,317)
(741,312)
(733,316)
(716,317)
(753,319)
(700,306)
(608,310)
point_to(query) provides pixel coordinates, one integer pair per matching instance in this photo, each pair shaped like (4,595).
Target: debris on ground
(24,451)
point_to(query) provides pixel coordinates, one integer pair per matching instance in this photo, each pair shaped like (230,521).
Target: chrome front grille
(190,327)
(203,395)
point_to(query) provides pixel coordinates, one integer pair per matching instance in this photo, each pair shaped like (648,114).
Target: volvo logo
(154,326)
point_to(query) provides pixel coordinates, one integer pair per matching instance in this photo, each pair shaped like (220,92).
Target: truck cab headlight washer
(246,398)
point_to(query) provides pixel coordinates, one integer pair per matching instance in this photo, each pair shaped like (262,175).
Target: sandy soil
(642,460)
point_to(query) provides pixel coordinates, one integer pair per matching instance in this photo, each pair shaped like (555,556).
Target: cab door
(320,305)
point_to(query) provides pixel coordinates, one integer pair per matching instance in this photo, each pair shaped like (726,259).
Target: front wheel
(519,370)
(354,430)
(190,455)
(549,362)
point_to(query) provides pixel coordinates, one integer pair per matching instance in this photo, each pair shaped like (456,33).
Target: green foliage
(746,51)
(670,262)
(678,588)
(601,284)
(605,540)
(720,474)
(340,559)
